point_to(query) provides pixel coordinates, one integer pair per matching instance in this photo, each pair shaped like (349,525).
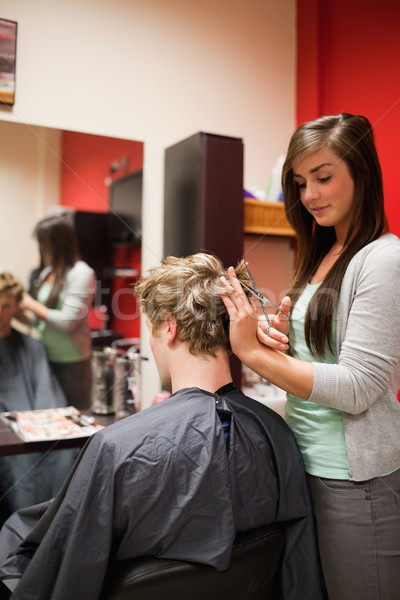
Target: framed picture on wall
(8,51)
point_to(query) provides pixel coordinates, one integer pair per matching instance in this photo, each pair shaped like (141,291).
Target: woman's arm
(370,338)
(248,343)
(368,323)
(77,299)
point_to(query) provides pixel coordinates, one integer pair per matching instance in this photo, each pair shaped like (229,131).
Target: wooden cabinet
(203,197)
(203,201)
(266,218)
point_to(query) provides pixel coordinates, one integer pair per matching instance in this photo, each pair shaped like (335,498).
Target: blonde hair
(11,286)
(189,289)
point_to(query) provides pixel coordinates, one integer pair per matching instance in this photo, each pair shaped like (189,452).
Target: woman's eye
(323,179)
(301,186)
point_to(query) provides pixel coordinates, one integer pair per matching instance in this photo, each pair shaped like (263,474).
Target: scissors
(256,292)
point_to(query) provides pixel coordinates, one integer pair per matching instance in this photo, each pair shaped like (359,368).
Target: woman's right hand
(27,302)
(34,306)
(247,330)
(262,353)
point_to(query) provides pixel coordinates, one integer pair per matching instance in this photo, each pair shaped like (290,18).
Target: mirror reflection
(46,170)
(70,236)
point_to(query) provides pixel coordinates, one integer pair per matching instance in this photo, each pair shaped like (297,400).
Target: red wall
(348,57)
(125,309)
(348,60)
(86,161)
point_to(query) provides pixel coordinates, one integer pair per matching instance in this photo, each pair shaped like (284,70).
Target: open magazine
(50,424)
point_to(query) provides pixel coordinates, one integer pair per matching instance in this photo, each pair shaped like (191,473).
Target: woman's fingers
(235,292)
(242,316)
(234,280)
(26,302)
(229,299)
(229,305)
(272,337)
(280,321)
(284,309)
(238,294)
(270,342)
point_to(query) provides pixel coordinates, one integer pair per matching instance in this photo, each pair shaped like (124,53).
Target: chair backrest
(253,574)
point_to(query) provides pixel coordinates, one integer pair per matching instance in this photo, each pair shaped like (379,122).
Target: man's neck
(206,372)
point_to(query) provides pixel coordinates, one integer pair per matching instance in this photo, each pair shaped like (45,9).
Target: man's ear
(171,330)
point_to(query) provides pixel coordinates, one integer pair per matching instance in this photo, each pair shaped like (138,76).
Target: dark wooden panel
(203,201)
(203,197)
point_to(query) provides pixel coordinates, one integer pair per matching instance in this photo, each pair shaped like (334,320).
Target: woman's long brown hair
(351,138)
(56,235)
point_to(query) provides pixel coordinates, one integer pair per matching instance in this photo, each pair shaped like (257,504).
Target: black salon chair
(253,574)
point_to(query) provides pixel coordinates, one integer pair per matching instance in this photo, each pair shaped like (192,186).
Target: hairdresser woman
(342,374)
(64,293)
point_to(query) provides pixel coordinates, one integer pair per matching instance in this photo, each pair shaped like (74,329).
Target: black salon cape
(26,383)
(161,483)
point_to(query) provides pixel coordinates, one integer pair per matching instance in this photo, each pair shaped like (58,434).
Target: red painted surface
(348,60)
(86,162)
(125,309)
(348,57)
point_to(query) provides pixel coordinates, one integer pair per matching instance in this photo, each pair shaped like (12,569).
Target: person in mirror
(26,383)
(228,462)
(64,294)
(342,374)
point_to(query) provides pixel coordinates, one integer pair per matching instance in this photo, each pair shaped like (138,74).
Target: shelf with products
(268,218)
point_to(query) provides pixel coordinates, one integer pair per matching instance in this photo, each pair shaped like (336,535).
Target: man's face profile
(8,309)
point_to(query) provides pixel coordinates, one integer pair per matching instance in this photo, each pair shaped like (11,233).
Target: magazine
(50,424)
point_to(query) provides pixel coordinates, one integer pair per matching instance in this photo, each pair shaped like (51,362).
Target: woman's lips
(318,210)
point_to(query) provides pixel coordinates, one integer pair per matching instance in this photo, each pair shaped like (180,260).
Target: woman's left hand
(247,329)
(279,324)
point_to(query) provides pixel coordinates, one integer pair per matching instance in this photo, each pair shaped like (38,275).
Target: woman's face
(326,189)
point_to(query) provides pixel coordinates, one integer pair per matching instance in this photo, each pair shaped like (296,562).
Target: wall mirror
(45,168)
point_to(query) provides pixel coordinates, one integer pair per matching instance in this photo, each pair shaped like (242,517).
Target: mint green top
(318,429)
(365,380)
(58,344)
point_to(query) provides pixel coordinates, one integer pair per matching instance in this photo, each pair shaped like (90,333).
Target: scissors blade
(252,291)
(257,295)
(255,286)
(256,292)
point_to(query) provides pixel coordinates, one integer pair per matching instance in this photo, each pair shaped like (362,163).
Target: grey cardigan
(365,381)
(72,318)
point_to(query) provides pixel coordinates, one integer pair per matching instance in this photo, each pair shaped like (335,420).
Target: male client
(26,383)
(179,479)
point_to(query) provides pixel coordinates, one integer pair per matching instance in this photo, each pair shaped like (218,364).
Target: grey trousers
(358,525)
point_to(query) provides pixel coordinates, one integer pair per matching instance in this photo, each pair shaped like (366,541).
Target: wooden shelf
(266,218)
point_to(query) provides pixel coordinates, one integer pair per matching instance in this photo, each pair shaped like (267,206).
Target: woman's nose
(310,191)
